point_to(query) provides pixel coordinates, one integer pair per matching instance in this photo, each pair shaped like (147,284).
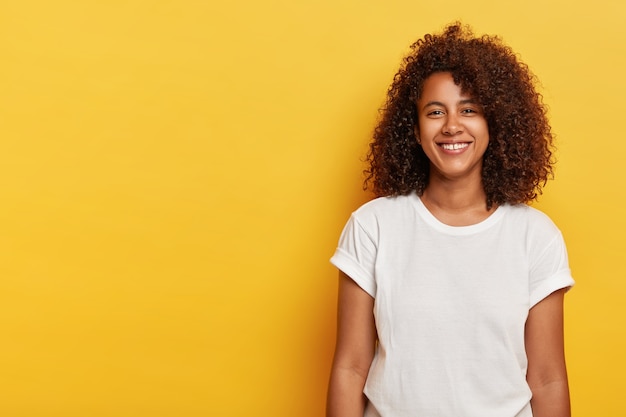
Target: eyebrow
(461,102)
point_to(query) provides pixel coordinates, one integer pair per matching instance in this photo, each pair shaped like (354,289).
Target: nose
(452,125)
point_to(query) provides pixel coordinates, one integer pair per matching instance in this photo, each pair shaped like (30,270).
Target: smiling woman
(451,287)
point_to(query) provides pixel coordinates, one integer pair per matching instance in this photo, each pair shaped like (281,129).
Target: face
(452,129)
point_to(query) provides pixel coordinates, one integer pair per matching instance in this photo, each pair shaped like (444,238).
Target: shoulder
(530,217)
(383,208)
(384,215)
(536,227)
(387,204)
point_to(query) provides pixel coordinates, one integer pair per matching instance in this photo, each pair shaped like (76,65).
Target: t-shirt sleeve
(356,255)
(551,271)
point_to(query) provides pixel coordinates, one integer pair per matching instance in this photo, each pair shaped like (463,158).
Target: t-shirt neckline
(434,222)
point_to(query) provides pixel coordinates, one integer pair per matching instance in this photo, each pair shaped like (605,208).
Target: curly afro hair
(519,158)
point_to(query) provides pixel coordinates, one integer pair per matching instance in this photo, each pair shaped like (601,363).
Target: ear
(416,132)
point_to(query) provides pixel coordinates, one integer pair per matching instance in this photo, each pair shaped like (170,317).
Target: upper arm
(544,341)
(356,329)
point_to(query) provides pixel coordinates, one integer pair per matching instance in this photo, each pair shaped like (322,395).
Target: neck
(456,203)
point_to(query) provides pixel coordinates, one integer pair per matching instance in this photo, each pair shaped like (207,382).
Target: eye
(470,111)
(435,113)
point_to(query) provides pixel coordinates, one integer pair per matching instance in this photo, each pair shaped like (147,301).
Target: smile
(454,146)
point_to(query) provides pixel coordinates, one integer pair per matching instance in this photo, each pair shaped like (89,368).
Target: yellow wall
(174,176)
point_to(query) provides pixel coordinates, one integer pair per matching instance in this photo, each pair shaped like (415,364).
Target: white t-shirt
(450,305)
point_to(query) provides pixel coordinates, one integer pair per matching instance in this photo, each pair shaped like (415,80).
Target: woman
(451,287)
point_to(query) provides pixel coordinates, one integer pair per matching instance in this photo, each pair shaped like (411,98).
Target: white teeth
(454,146)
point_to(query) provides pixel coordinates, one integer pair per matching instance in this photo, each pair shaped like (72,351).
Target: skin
(354,351)
(547,374)
(455,195)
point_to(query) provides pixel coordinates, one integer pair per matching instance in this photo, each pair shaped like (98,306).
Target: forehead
(441,85)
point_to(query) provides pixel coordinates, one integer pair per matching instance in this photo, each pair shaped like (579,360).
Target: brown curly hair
(519,158)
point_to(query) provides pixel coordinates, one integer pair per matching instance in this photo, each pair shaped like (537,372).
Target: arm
(547,375)
(356,339)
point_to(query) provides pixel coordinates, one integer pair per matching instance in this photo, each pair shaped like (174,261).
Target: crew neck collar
(437,224)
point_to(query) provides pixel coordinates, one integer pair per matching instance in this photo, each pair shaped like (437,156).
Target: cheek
(482,127)
(479,130)
(426,127)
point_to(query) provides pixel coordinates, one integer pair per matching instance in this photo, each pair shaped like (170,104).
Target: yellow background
(174,176)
